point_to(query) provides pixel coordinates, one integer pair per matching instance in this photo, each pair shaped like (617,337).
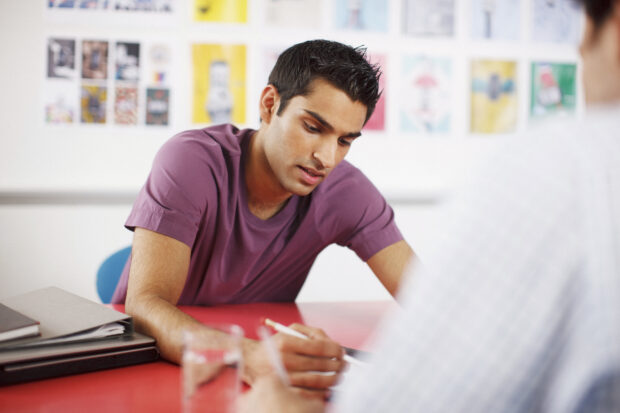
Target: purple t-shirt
(196,194)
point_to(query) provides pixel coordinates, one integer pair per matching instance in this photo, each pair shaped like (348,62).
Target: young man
(236,216)
(517,308)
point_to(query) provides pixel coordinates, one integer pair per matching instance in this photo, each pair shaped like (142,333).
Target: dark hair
(343,66)
(598,10)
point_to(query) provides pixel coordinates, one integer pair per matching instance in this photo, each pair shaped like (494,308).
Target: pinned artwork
(219,83)
(493,96)
(554,89)
(425,98)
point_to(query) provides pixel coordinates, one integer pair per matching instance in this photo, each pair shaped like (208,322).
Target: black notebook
(14,324)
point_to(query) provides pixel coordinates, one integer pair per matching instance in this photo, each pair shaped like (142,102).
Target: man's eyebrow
(328,126)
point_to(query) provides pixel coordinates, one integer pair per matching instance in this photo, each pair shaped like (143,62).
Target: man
(517,307)
(235,216)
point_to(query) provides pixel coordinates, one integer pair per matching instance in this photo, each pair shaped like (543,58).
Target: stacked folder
(76,336)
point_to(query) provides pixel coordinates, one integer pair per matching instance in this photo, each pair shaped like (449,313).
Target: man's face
(311,136)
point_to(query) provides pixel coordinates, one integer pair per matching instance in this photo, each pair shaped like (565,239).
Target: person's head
(344,67)
(600,50)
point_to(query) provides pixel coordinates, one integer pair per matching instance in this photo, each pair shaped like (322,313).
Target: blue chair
(110,272)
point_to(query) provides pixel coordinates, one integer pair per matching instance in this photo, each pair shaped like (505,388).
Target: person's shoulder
(226,138)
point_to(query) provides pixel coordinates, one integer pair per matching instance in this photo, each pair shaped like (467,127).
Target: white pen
(287,330)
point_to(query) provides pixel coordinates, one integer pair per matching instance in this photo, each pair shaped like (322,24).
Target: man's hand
(270,395)
(313,365)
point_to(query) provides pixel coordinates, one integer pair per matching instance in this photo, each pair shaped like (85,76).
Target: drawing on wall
(93,104)
(127,62)
(557,21)
(269,57)
(61,58)
(425,96)
(61,4)
(158,64)
(377,120)
(157,106)
(293,13)
(114,5)
(125,105)
(142,5)
(94,59)
(493,96)
(361,14)
(60,102)
(428,17)
(495,19)
(219,83)
(553,89)
(93,4)
(228,11)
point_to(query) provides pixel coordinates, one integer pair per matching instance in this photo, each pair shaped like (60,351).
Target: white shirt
(517,307)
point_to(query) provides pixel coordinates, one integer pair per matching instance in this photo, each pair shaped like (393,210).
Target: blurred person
(517,306)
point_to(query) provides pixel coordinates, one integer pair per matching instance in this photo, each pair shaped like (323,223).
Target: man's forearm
(163,321)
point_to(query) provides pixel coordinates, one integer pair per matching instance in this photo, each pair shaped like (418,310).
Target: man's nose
(325,154)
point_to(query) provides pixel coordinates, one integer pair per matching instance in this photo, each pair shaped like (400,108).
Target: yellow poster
(219,83)
(227,11)
(493,96)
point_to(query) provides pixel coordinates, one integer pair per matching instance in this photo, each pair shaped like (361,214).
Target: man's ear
(269,103)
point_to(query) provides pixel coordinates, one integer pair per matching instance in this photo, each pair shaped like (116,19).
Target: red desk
(155,387)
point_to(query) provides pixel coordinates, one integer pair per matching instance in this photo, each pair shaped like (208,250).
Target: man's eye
(344,142)
(311,128)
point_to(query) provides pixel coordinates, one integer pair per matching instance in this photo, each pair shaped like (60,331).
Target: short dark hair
(598,10)
(343,66)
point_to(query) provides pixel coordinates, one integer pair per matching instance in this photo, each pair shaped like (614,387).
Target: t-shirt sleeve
(366,219)
(174,197)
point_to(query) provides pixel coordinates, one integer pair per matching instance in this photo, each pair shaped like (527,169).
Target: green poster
(553,89)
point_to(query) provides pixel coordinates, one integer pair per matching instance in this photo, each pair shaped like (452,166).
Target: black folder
(67,316)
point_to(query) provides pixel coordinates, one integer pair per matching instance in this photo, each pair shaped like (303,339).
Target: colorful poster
(377,120)
(158,64)
(60,101)
(269,58)
(227,11)
(142,5)
(293,13)
(61,58)
(157,106)
(93,4)
(554,89)
(125,105)
(556,21)
(425,95)
(219,83)
(428,17)
(127,62)
(93,104)
(493,96)
(94,59)
(61,4)
(361,15)
(495,19)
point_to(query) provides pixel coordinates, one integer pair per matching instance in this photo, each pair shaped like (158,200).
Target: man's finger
(297,362)
(310,380)
(312,347)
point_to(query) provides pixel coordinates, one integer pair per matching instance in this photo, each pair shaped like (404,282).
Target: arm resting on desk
(158,273)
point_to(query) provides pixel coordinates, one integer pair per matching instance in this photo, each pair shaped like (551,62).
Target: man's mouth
(311,176)
(312,172)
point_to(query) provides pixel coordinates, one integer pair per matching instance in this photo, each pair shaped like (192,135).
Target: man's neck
(264,198)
